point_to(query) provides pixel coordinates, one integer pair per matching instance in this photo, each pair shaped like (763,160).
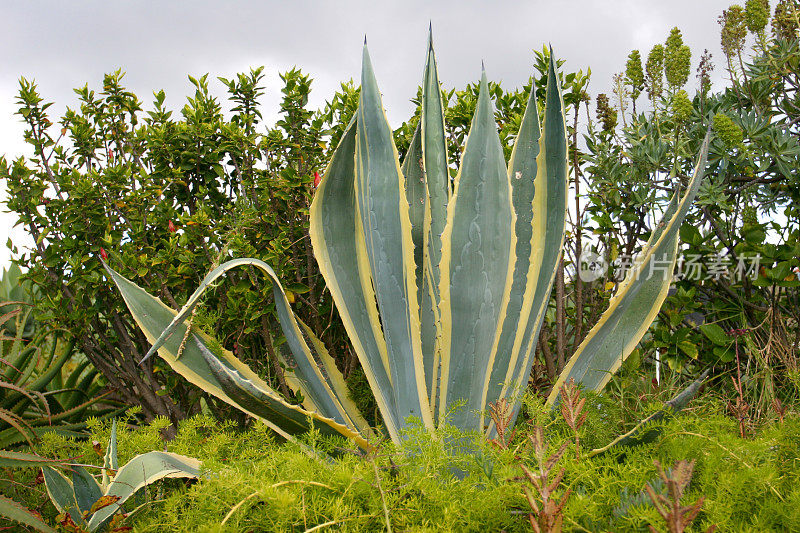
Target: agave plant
(13,293)
(84,503)
(442,283)
(45,383)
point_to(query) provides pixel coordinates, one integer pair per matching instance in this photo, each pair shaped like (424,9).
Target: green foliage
(738,272)
(634,74)
(739,493)
(188,188)
(284,488)
(756,14)
(748,484)
(727,130)
(655,72)
(677,60)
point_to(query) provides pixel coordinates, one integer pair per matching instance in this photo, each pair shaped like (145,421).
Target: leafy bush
(735,306)
(168,196)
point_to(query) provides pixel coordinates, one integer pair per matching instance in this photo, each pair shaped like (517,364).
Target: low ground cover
(252,482)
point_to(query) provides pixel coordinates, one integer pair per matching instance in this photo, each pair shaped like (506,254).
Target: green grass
(748,484)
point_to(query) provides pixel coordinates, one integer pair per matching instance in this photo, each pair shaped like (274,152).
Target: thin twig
(383,496)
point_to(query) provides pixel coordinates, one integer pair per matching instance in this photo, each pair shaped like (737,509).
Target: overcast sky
(63,45)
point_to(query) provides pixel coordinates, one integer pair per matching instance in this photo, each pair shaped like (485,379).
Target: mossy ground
(254,483)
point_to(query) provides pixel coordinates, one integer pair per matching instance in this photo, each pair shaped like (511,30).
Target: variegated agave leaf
(217,371)
(638,299)
(90,504)
(478,248)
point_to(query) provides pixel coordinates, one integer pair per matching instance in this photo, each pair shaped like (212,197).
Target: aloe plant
(15,292)
(84,503)
(46,385)
(442,283)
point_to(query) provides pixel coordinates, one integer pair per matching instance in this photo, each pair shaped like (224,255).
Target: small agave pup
(85,504)
(441,284)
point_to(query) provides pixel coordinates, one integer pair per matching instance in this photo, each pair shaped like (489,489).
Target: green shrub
(748,484)
(167,195)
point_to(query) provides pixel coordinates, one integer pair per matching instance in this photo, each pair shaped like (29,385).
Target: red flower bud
(317,179)
(103,254)
(171,227)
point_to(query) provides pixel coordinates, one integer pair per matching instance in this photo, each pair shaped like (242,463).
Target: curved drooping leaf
(255,398)
(16,512)
(637,301)
(384,214)
(143,470)
(154,317)
(476,268)
(335,230)
(308,373)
